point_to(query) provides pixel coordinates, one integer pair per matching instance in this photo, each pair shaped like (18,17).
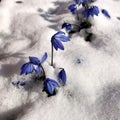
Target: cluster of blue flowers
(87,9)
(35,64)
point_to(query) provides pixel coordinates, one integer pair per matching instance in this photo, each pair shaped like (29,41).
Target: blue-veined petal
(38,70)
(79,1)
(105,12)
(54,83)
(44,58)
(49,87)
(62,76)
(34,60)
(73,8)
(57,44)
(59,33)
(62,38)
(27,68)
(95,10)
(67,26)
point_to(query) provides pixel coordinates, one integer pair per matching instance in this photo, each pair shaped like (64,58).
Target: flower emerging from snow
(62,76)
(82,1)
(91,11)
(33,64)
(49,85)
(105,12)
(67,26)
(73,8)
(57,40)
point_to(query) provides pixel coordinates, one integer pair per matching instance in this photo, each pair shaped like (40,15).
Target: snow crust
(93,85)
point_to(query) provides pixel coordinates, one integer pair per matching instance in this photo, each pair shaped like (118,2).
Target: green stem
(51,54)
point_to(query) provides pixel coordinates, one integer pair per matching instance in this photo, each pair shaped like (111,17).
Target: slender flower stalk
(52,54)
(43,71)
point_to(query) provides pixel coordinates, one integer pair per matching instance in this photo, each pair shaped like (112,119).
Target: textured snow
(93,68)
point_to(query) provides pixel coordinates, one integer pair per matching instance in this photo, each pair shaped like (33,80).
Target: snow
(93,85)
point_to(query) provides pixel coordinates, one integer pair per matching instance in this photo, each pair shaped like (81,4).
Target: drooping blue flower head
(34,64)
(27,68)
(49,85)
(91,11)
(73,8)
(57,40)
(67,26)
(62,76)
(105,12)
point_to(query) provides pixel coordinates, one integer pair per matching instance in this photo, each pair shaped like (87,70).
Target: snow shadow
(14,113)
(109,102)
(53,15)
(8,70)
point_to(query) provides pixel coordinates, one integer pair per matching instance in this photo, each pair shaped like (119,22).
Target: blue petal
(86,13)
(55,45)
(59,44)
(34,60)
(44,58)
(59,33)
(62,76)
(27,68)
(62,38)
(105,12)
(49,87)
(82,1)
(67,26)
(73,8)
(95,10)
(53,82)
(38,70)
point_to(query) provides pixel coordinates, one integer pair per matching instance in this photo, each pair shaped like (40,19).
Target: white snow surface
(93,86)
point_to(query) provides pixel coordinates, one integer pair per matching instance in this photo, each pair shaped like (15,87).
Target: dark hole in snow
(118,18)
(89,37)
(39,10)
(78,61)
(19,2)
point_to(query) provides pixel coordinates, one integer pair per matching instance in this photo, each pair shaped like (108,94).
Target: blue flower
(105,12)
(37,62)
(49,85)
(27,68)
(91,11)
(67,26)
(34,64)
(62,76)
(73,8)
(57,40)
(83,2)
